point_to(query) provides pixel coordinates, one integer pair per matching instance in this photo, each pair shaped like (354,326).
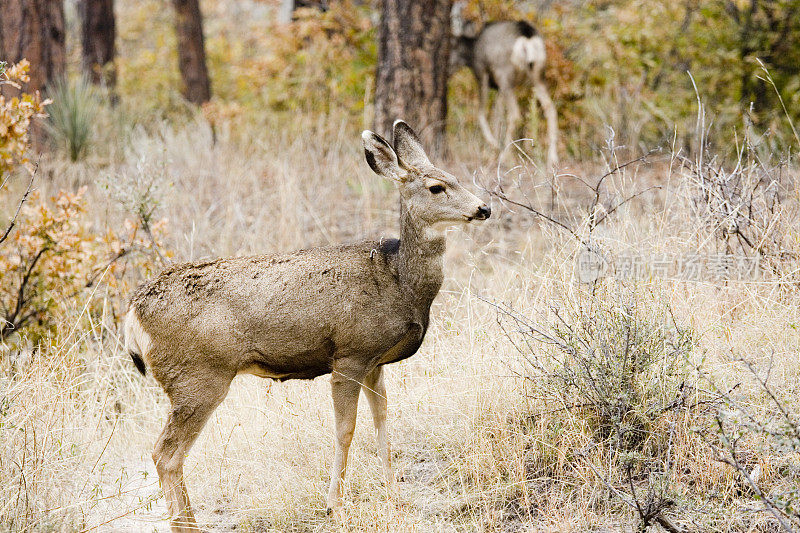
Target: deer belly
(406,347)
(307,364)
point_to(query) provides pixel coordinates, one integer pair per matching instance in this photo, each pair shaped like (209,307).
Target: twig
(536,212)
(642,158)
(146,226)
(19,206)
(625,201)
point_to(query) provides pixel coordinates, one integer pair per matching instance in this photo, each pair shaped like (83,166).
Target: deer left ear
(381,157)
(408,146)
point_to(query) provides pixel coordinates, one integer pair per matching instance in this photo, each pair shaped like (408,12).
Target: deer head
(432,197)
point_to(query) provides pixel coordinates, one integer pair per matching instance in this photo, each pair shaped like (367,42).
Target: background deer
(503,56)
(344,310)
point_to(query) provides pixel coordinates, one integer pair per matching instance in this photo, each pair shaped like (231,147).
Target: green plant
(612,363)
(72,115)
(617,357)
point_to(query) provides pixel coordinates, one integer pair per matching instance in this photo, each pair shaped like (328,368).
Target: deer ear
(408,146)
(381,157)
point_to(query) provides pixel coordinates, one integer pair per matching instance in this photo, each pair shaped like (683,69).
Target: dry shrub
(750,208)
(607,381)
(758,436)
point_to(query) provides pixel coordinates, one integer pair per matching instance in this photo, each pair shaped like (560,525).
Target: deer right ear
(381,157)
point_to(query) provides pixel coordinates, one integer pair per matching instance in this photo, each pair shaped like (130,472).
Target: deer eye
(436,189)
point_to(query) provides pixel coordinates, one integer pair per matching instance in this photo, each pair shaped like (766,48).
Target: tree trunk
(413,52)
(34,30)
(98,35)
(192,51)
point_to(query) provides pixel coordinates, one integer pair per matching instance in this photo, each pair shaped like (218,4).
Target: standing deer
(345,310)
(503,56)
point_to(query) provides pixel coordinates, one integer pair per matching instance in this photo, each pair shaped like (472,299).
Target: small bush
(72,115)
(759,438)
(53,258)
(609,393)
(617,358)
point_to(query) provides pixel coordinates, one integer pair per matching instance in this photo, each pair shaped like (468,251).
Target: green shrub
(615,358)
(72,115)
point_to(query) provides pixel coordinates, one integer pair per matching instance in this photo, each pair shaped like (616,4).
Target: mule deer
(345,310)
(503,56)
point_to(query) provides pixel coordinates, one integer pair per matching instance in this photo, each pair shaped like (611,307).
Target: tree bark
(192,51)
(411,80)
(34,30)
(98,36)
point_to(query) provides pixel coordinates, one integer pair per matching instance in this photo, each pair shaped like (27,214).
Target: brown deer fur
(344,310)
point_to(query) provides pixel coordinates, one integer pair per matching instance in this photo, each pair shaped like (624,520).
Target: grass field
(481,441)
(616,349)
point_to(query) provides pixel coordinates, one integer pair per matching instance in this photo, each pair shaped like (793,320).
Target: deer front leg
(483,109)
(345,387)
(375,391)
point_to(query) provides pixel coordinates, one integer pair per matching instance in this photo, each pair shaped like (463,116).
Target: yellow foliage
(318,62)
(15,116)
(53,257)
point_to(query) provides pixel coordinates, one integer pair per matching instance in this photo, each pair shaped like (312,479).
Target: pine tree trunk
(411,82)
(98,35)
(191,51)
(34,30)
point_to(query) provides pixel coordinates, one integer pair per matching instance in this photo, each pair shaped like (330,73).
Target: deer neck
(421,257)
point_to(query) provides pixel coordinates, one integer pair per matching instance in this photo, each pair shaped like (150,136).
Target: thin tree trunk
(411,81)
(98,35)
(191,51)
(34,30)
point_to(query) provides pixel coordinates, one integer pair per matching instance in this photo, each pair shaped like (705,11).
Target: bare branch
(19,206)
(625,201)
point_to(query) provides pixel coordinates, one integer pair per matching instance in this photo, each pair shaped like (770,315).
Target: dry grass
(474,452)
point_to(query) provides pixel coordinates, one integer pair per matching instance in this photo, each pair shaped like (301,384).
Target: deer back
(282,316)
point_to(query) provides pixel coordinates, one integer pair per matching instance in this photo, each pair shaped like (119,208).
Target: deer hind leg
(375,391)
(189,414)
(549,110)
(345,388)
(483,110)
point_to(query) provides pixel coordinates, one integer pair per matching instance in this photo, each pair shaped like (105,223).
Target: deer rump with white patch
(528,47)
(503,56)
(345,310)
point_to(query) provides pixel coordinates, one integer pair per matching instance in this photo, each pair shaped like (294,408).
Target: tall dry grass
(474,449)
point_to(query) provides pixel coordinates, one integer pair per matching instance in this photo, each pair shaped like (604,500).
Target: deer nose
(484,212)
